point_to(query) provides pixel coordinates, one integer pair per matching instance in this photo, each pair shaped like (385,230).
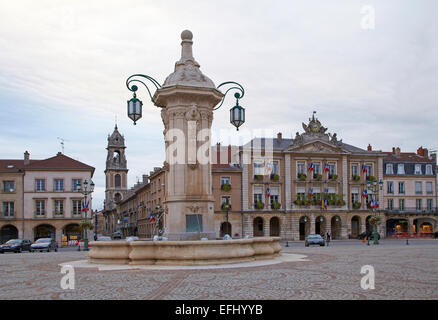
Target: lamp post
(372,185)
(86,189)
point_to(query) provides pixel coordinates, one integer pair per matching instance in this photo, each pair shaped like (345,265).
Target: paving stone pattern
(401,272)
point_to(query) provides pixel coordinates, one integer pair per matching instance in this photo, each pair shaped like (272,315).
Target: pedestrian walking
(328,239)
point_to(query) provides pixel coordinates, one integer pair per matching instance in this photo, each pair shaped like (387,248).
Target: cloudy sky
(63,66)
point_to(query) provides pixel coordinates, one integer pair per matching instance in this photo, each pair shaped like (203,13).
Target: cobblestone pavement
(402,272)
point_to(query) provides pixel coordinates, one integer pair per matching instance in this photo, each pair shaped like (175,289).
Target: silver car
(313,239)
(44,244)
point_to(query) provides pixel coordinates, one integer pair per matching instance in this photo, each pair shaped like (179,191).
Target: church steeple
(116,170)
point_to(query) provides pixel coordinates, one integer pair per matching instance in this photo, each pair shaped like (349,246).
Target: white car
(132,238)
(103,238)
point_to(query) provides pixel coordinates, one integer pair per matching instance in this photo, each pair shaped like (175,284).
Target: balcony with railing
(412,210)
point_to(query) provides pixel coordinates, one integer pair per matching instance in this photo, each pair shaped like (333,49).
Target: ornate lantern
(134,107)
(237,115)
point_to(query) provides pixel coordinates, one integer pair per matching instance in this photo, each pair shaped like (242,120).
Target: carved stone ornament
(166,166)
(192,114)
(194,208)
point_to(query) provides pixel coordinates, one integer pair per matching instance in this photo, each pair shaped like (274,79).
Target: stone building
(410,192)
(42,200)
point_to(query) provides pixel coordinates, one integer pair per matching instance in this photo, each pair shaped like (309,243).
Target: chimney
(393,150)
(279,136)
(229,153)
(420,151)
(26,158)
(397,151)
(218,153)
(426,152)
(369,148)
(145,178)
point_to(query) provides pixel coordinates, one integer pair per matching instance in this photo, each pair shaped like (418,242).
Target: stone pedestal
(189,98)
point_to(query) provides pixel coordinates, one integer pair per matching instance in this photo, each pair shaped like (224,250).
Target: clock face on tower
(314,126)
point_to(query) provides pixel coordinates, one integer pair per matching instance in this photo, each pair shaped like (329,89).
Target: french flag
(268,192)
(311,167)
(372,204)
(326,168)
(151,218)
(365,194)
(85,206)
(364,168)
(311,192)
(377,204)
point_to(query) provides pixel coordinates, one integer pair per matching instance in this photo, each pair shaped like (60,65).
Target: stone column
(283,227)
(245,187)
(189,98)
(345,181)
(287,182)
(295,226)
(344,228)
(266,226)
(312,224)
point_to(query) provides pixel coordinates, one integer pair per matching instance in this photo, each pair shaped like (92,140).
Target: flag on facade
(151,218)
(372,204)
(377,204)
(364,168)
(326,167)
(85,206)
(268,192)
(311,167)
(365,194)
(310,192)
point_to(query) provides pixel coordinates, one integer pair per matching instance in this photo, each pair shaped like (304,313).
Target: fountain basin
(184,253)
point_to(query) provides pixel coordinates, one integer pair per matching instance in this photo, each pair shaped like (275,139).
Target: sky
(63,67)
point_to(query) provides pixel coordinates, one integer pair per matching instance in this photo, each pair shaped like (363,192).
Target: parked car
(15,245)
(44,244)
(117,235)
(313,239)
(367,235)
(132,238)
(103,238)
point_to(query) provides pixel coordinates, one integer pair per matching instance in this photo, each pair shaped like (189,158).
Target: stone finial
(186,47)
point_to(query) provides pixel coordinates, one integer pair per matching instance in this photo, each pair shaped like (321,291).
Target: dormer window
(429,169)
(401,168)
(389,168)
(418,169)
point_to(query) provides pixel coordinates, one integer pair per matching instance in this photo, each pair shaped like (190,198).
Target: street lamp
(85,190)
(372,185)
(237,113)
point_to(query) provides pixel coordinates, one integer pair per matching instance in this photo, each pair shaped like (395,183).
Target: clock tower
(116,170)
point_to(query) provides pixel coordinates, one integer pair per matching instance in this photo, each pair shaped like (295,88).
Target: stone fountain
(189,98)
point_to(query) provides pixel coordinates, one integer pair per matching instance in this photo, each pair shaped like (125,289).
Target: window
(390,204)
(418,204)
(317,194)
(258,168)
(40,207)
(59,207)
(418,187)
(159,184)
(40,185)
(317,167)
(400,168)
(8,209)
(354,170)
(429,169)
(8,186)
(274,198)
(369,168)
(225,202)
(401,188)
(401,204)
(76,207)
(118,181)
(75,183)
(275,167)
(429,204)
(301,168)
(417,169)
(258,194)
(332,168)
(429,188)
(301,191)
(59,185)
(225,180)
(389,168)
(390,187)
(354,195)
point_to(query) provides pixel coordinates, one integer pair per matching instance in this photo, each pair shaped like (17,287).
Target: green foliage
(226,187)
(356,205)
(276,205)
(302,177)
(259,205)
(275,177)
(317,177)
(258,177)
(86,224)
(356,177)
